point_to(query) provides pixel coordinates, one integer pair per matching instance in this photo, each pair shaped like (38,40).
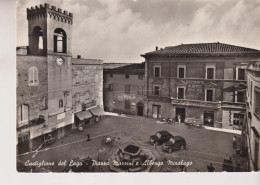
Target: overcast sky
(121,30)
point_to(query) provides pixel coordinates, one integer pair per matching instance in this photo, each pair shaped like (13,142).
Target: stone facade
(225,90)
(87,83)
(124,89)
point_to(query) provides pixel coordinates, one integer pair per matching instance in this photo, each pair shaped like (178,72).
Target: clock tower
(50,36)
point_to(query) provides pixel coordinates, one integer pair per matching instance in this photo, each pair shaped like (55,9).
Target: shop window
(156,90)
(127,89)
(33,76)
(157,71)
(60,103)
(209,95)
(23,114)
(127,104)
(181,91)
(140,90)
(60,41)
(127,76)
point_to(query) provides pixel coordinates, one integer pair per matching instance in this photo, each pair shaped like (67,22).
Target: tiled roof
(135,68)
(202,48)
(114,65)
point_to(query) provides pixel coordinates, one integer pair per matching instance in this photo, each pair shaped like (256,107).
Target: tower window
(60,41)
(33,78)
(37,40)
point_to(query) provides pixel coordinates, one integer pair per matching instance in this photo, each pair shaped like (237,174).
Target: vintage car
(174,143)
(160,137)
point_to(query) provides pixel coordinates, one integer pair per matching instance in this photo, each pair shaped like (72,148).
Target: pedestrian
(211,168)
(179,118)
(88,138)
(235,142)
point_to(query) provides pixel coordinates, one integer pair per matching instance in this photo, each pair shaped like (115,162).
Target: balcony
(32,123)
(196,103)
(233,105)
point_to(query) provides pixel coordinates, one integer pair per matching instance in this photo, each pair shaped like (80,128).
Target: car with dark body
(174,143)
(160,137)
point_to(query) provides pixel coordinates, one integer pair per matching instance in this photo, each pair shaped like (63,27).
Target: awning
(97,111)
(84,115)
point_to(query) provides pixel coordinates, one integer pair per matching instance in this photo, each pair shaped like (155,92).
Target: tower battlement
(49,11)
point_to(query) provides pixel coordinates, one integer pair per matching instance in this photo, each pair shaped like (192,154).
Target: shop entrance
(140,109)
(209,119)
(156,111)
(180,112)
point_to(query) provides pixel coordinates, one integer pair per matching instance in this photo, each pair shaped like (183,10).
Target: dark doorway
(140,109)
(23,145)
(181,112)
(209,119)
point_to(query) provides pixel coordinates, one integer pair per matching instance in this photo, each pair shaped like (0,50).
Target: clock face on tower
(59,61)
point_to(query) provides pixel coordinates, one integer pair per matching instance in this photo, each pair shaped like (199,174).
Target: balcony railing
(196,103)
(31,123)
(233,105)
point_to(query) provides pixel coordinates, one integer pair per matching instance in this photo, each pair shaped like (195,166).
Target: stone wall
(87,80)
(36,97)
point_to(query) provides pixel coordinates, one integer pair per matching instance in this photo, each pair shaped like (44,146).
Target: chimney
(78,56)
(156,48)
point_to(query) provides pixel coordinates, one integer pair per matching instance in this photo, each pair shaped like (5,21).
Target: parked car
(160,137)
(174,143)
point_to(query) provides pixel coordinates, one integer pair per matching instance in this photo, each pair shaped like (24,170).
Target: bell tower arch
(49,30)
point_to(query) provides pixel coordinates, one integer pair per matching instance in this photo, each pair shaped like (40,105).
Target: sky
(119,31)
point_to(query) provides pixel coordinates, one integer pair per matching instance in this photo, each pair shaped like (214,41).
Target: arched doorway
(140,109)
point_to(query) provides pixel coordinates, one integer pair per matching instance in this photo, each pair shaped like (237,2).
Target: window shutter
(30,75)
(36,78)
(24,112)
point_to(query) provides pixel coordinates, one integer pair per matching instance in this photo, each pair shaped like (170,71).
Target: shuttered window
(33,76)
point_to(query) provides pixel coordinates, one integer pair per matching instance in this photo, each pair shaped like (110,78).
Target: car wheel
(170,150)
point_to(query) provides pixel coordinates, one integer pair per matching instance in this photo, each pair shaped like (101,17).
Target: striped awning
(84,115)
